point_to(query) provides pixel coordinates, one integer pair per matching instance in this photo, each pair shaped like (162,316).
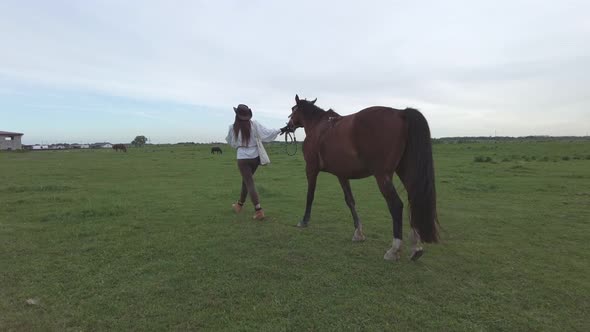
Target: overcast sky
(172,70)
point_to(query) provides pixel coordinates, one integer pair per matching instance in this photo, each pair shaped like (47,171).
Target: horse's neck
(317,121)
(310,126)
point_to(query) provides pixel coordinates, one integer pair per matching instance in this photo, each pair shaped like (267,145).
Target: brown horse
(377,141)
(118,147)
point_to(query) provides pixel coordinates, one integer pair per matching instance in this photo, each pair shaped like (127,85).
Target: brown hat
(243,112)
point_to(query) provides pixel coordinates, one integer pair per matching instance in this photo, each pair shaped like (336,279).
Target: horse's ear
(297,99)
(313,101)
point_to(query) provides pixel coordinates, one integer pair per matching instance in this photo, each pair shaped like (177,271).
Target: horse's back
(379,116)
(380,136)
(377,125)
(359,144)
(374,138)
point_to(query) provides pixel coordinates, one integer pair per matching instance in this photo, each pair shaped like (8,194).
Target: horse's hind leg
(396,207)
(417,250)
(358,226)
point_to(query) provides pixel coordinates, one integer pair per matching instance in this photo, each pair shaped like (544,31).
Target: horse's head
(298,111)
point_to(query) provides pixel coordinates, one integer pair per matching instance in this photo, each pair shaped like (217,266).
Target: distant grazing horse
(216,149)
(376,141)
(118,147)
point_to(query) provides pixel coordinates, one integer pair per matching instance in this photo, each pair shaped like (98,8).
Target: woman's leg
(244,193)
(254,166)
(259,215)
(247,168)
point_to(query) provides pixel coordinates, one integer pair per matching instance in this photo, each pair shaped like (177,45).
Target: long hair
(244,127)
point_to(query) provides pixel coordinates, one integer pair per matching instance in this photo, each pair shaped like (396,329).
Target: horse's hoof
(358,237)
(416,254)
(391,255)
(301,224)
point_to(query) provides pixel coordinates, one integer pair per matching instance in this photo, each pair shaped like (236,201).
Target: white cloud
(465,64)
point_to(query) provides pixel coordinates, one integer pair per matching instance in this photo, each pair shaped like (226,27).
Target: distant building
(10,141)
(101,146)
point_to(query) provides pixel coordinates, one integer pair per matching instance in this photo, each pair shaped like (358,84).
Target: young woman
(242,135)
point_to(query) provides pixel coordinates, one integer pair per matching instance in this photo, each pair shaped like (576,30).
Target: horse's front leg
(312,176)
(358,226)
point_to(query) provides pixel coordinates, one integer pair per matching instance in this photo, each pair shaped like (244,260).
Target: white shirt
(250,151)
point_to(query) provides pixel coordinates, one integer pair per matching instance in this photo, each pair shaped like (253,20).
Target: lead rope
(290,135)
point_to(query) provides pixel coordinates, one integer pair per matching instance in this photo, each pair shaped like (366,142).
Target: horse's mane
(317,111)
(332,112)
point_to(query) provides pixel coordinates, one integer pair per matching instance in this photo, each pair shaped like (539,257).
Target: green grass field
(147,241)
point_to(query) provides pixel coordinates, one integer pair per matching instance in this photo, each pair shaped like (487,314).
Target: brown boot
(259,215)
(237,207)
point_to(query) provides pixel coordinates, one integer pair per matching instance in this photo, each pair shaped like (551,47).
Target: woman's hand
(286,129)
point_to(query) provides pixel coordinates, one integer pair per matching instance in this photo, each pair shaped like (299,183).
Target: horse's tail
(418,177)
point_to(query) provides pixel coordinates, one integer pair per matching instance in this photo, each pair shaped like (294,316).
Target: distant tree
(139,141)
